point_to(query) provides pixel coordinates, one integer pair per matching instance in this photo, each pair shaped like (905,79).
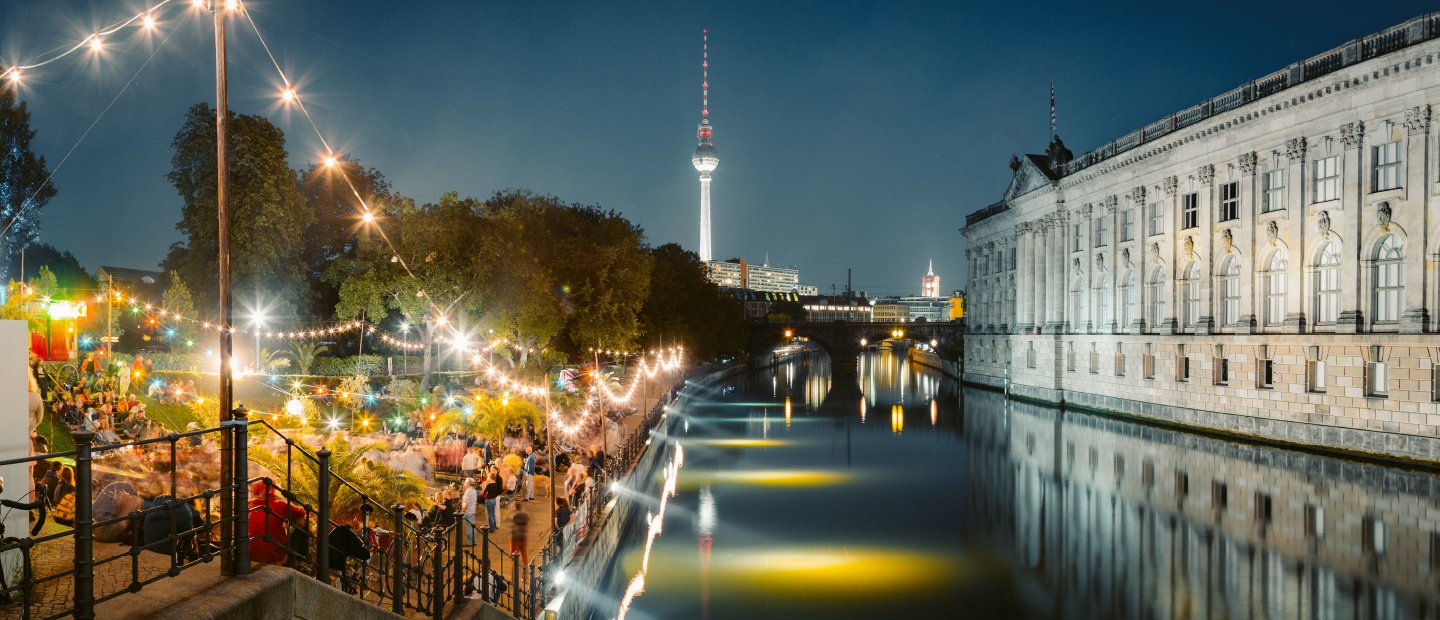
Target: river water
(907,496)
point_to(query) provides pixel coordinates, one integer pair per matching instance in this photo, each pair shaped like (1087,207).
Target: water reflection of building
(1129,521)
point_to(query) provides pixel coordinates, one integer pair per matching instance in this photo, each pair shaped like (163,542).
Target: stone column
(1062,269)
(1299,283)
(1168,322)
(1022,281)
(1112,257)
(1207,214)
(1416,317)
(1242,235)
(1040,305)
(1084,320)
(1347,220)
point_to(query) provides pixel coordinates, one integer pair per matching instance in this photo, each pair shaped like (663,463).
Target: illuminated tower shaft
(705,159)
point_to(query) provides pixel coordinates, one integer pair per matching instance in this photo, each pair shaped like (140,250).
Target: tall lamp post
(220,9)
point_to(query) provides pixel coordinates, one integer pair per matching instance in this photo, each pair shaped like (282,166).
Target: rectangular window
(1315,370)
(1157,218)
(1327,179)
(1377,374)
(1389,290)
(1264,508)
(1189,211)
(1030,356)
(1372,535)
(1119,360)
(1077,238)
(1094,359)
(1230,299)
(1435,382)
(1219,495)
(1314,522)
(1127,225)
(1230,201)
(1148,359)
(1387,165)
(1273,191)
(1014,253)
(1102,232)
(1070,356)
(1222,366)
(1182,364)
(1265,370)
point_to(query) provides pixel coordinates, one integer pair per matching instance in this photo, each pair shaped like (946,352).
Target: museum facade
(1263,263)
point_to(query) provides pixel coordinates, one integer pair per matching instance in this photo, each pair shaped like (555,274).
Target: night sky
(850,134)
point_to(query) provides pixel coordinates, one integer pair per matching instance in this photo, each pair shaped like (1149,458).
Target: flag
(1052,108)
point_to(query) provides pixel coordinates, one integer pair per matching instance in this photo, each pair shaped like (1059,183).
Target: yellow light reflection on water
(765,478)
(819,571)
(897,419)
(740,443)
(787,412)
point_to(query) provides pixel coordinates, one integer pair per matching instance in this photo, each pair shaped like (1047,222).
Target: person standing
(529,473)
(562,519)
(519,533)
(470,462)
(467,508)
(492,498)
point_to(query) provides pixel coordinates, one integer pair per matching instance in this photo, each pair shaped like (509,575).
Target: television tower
(705,159)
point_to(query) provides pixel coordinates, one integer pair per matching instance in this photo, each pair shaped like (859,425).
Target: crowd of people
(96,401)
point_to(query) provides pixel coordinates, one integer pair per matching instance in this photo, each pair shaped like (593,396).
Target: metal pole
(397,559)
(514,583)
(549,450)
(322,525)
(485,584)
(457,574)
(437,578)
(241,424)
(222,210)
(84,580)
(109,320)
(600,404)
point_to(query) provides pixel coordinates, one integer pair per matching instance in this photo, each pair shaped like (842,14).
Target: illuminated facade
(739,273)
(1262,262)
(930,283)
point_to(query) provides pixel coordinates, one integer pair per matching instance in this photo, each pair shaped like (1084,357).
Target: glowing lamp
(66,310)
(367,217)
(95,43)
(294,407)
(288,95)
(331,161)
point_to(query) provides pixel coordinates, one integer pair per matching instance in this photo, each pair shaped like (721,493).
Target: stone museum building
(1263,263)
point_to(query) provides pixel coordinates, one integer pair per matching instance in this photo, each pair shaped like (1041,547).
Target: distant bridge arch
(844,340)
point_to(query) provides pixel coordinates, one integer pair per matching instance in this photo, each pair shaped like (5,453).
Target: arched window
(1327,283)
(1275,274)
(1157,297)
(1077,302)
(1128,298)
(1230,292)
(1191,291)
(1389,283)
(1102,299)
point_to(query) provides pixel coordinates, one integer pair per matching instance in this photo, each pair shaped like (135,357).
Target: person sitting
(166,515)
(62,497)
(269,515)
(115,500)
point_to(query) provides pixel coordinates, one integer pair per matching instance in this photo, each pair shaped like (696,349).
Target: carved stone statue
(1206,174)
(1189,246)
(1155,250)
(1295,149)
(1382,211)
(1228,239)
(1125,257)
(1324,223)
(1272,231)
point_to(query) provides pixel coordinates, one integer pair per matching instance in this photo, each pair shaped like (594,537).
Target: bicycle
(12,559)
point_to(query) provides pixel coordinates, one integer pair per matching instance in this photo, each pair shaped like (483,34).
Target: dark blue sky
(851,134)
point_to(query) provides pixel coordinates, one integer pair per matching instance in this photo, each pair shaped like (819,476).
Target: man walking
(529,473)
(493,489)
(467,509)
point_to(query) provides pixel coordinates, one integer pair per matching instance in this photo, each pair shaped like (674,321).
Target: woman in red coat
(268,515)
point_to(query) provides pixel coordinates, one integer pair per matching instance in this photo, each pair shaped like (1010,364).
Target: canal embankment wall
(1262,389)
(590,576)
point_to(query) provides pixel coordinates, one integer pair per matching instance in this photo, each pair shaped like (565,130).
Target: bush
(349,366)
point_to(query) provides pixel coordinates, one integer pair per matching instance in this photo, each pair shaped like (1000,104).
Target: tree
(25,302)
(177,300)
(786,311)
(382,484)
(24,181)
(305,355)
(489,418)
(685,307)
(336,228)
(268,215)
(67,269)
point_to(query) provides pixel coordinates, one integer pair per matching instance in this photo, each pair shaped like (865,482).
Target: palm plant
(273,360)
(382,484)
(306,353)
(488,419)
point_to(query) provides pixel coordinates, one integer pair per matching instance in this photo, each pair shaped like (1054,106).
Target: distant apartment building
(911,309)
(738,273)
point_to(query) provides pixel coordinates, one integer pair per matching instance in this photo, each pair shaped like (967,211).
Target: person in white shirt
(467,508)
(470,462)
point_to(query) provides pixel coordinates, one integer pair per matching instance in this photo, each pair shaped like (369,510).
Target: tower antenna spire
(705,75)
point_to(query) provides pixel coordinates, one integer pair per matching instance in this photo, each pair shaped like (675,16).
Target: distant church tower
(705,159)
(930,283)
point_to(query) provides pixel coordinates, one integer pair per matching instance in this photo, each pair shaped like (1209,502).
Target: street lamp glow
(95,43)
(294,407)
(149,22)
(331,161)
(288,95)
(367,217)
(199,4)
(14,77)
